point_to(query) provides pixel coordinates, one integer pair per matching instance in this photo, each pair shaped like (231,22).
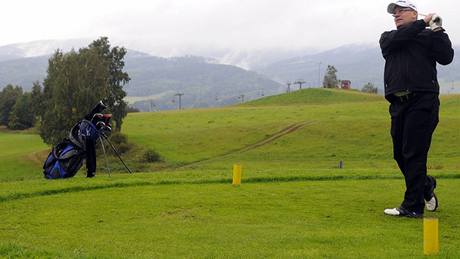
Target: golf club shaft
(116,152)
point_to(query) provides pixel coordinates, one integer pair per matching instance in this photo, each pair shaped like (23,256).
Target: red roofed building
(345,84)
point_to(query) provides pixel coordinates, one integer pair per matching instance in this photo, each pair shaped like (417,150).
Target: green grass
(266,219)
(356,132)
(294,201)
(17,155)
(315,96)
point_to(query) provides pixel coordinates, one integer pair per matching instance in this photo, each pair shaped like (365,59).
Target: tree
(330,78)
(8,98)
(76,81)
(117,78)
(369,88)
(21,116)
(37,99)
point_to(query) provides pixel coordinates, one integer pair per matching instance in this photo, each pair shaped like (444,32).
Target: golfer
(411,86)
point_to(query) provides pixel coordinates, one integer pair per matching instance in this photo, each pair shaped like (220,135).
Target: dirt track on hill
(291,128)
(269,139)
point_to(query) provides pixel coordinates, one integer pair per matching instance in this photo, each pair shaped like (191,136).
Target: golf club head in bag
(102,123)
(97,109)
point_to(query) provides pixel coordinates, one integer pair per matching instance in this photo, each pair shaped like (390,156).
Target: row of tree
(75,82)
(19,109)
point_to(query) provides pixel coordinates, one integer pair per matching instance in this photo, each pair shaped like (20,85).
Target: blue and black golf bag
(66,158)
(63,161)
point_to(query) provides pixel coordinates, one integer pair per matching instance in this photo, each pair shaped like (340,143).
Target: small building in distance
(345,84)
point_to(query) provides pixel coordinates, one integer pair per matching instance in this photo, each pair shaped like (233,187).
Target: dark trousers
(413,121)
(90,156)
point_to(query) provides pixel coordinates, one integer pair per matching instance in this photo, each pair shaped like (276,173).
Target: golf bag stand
(105,156)
(115,151)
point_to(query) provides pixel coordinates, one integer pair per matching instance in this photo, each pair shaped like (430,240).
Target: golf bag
(63,161)
(66,158)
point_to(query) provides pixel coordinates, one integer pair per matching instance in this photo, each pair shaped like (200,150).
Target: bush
(123,147)
(369,88)
(118,138)
(151,156)
(120,141)
(132,109)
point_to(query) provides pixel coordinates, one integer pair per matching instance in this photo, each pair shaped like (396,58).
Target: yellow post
(237,174)
(430,236)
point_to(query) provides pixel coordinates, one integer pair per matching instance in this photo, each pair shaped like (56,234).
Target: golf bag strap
(74,137)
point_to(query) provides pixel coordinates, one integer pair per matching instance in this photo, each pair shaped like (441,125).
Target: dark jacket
(411,53)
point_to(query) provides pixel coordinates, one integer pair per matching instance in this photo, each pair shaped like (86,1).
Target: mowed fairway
(293,202)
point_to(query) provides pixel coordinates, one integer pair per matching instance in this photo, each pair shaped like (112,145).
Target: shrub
(123,147)
(151,156)
(369,88)
(118,138)
(120,142)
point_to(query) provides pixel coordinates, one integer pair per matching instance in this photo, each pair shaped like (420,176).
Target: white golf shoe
(432,204)
(402,212)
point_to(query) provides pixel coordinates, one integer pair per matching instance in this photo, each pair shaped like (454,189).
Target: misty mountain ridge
(39,48)
(203,81)
(360,63)
(213,81)
(246,59)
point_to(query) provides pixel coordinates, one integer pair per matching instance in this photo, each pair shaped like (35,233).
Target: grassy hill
(315,96)
(294,201)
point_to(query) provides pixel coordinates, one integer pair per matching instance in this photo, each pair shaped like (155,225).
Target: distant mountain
(246,59)
(155,81)
(202,83)
(256,59)
(24,71)
(216,80)
(358,63)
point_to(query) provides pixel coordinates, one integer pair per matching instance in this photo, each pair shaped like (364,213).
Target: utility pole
(288,86)
(241,97)
(180,100)
(299,82)
(319,74)
(153,106)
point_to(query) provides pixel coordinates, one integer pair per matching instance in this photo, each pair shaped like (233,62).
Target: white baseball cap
(400,3)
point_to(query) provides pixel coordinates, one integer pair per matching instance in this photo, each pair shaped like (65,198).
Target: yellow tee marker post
(430,236)
(237,174)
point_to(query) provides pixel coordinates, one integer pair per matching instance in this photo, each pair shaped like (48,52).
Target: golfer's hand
(428,18)
(436,23)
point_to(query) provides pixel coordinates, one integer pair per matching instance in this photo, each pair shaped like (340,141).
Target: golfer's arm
(442,48)
(396,38)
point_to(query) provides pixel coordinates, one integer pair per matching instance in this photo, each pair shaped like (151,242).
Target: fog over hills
(154,80)
(39,48)
(218,79)
(247,59)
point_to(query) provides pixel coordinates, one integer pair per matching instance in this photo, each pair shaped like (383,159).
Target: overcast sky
(171,27)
